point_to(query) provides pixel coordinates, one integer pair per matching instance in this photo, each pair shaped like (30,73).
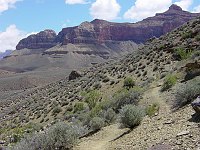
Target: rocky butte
(101,31)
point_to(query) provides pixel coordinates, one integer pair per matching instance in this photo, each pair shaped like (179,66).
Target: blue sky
(19,18)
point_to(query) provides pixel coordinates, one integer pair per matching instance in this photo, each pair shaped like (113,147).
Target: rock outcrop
(196,105)
(42,40)
(74,75)
(101,31)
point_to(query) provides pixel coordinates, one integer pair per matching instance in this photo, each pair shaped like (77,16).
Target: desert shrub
(129,82)
(169,81)
(96,110)
(56,110)
(131,116)
(125,97)
(197,37)
(79,106)
(162,47)
(85,118)
(97,123)
(97,85)
(31,142)
(185,93)
(183,54)
(60,136)
(188,34)
(18,132)
(92,97)
(152,109)
(109,115)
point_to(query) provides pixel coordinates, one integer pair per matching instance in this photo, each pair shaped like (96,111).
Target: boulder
(74,75)
(192,70)
(196,105)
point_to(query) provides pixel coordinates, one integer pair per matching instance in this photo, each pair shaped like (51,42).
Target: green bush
(60,136)
(96,110)
(197,37)
(188,34)
(79,106)
(129,82)
(169,81)
(152,109)
(92,98)
(131,116)
(186,93)
(109,115)
(183,54)
(125,97)
(56,110)
(97,123)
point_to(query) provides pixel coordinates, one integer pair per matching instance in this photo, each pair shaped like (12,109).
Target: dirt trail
(101,139)
(153,95)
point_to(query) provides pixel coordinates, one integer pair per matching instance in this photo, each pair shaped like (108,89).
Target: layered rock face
(100,31)
(42,40)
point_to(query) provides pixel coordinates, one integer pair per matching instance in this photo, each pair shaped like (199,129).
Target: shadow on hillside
(195,118)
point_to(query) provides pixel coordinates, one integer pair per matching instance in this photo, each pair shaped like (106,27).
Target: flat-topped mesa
(101,31)
(42,40)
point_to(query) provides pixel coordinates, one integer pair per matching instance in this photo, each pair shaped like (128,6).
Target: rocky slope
(100,31)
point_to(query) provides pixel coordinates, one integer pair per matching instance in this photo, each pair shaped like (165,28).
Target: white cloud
(10,37)
(197,9)
(105,9)
(146,8)
(76,2)
(184,4)
(6,4)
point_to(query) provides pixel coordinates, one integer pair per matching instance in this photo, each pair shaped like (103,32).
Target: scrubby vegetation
(60,136)
(152,109)
(92,98)
(185,93)
(125,97)
(169,81)
(182,53)
(129,82)
(97,123)
(131,115)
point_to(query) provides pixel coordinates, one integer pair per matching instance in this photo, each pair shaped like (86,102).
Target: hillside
(160,68)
